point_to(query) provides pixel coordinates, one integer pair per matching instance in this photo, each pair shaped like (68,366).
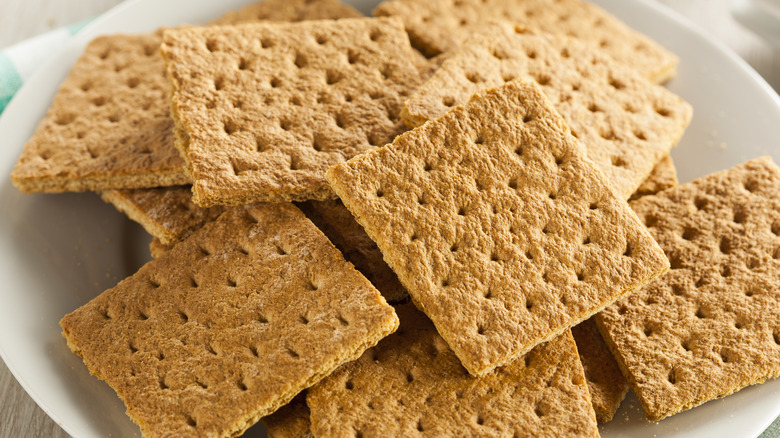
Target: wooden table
(20,19)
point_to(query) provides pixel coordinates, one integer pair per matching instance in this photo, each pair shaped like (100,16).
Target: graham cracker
(108,126)
(412,384)
(338,224)
(264,121)
(440,26)
(229,325)
(663,176)
(606,384)
(166,213)
(626,123)
(290,421)
(709,327)
(498,226)
(289,11)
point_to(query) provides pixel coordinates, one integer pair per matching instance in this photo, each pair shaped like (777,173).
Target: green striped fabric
(10,81)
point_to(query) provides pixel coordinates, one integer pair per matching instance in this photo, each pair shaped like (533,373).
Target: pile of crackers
(458,217)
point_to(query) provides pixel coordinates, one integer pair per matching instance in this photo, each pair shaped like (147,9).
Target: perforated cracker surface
(288,10)
(109,125)
(230,324)
(500,229)
(166,213)
(264,110)
(349,237)
(626,123)
(437,26)
(606,384)
(411,384)
(710,325)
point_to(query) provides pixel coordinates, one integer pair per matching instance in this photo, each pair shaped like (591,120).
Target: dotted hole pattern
(337,92)
(118,84)
(731,295)
(233,344)
(589,91)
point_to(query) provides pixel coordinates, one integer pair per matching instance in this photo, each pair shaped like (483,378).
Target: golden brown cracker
(338,224)
(606,384)
(230,324)
(263,121)
(437,26)
(108,127)
(708,327)
(288,10)
(626,123)
(411,383)
(166,213)
(157,249)
(663,176)
(290,421)
(499,227)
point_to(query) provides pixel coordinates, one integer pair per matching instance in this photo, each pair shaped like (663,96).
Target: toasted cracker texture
(263,121)
(290,421)
(412,383)
(708,327)
(333,219)
(606,384)
(663,176)
(499,227)
(157,249)
(230,324)
(166,213)
(108,127)
(288,10)
(437,26)
(626,123)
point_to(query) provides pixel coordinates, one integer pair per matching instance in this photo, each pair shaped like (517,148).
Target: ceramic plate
(59,251)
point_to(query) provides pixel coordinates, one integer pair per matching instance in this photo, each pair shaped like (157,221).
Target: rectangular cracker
(166,213)
(440,26)
(110,126)
(606,384)
(230,324)
(710,326)
(338,224)
(264,121)
(290,421)
(663,176)
(499,227)
(626,123)
(411,384)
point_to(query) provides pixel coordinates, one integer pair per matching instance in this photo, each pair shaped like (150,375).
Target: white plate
(58,251)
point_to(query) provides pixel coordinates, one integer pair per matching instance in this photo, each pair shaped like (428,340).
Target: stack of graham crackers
(469,162)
